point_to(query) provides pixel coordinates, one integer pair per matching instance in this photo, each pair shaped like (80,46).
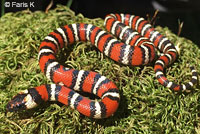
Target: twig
(2,7)
(49,6)
(69,3)
(153,19)
(180,27)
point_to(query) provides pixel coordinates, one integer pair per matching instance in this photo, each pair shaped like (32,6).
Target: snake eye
(17,103)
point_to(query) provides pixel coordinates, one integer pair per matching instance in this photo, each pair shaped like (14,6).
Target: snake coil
(140,39)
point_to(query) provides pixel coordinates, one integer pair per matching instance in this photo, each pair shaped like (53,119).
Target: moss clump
(145,107)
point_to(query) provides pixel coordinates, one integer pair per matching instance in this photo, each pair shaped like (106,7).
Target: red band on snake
(140,39)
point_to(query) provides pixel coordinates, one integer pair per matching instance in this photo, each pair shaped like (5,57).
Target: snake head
(21,101)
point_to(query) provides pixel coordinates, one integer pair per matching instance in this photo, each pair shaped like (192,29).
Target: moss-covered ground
(145,107)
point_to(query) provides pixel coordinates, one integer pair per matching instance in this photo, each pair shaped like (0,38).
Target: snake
(136,45)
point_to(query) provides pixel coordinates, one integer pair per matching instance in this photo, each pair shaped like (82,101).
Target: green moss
(145,107)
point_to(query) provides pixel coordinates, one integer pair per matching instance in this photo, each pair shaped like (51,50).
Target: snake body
(141,40)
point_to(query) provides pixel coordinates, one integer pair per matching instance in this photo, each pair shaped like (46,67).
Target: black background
(187,11)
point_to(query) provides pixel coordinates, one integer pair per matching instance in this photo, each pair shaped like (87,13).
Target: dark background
(171,12)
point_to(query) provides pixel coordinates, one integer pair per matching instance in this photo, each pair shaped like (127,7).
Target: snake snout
(17,103)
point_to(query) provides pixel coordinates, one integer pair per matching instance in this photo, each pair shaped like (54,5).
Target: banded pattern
(132,30)
(162,43)
(92,108)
